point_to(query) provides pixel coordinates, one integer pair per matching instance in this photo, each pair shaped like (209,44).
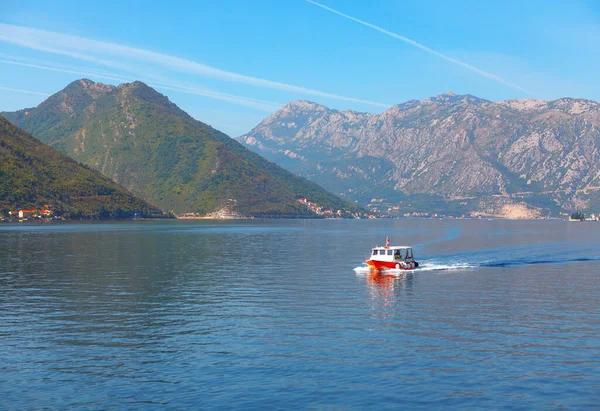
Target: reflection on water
(385,289)
(270,314)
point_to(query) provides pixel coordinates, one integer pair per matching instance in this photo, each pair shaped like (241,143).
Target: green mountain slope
(137,137)
(33,174)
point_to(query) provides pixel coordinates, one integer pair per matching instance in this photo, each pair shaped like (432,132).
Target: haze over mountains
(449,153)
(137,137)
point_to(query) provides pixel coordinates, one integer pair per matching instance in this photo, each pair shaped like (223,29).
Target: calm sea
(273,315)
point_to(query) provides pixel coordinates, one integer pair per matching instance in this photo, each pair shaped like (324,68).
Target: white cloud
(264,105)
(122,57)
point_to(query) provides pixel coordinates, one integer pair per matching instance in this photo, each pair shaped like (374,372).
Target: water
(272,314)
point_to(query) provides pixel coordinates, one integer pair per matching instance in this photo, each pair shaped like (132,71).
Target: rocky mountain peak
(89,87)
(140,91)
(574,106)
(302,108)
(450,97)
(399,108)
(456,147)
(571,106)
(524,104)
(304,105)
(133,85)
(137,87)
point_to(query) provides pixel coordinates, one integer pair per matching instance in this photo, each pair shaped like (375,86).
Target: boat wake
(364,270)
(431,266)
(519,262)
(510,257)
(502,263)
(445,267)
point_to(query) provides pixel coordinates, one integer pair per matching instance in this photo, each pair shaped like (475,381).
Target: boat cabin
(392,253)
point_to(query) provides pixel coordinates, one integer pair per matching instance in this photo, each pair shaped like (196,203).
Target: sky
(231,63)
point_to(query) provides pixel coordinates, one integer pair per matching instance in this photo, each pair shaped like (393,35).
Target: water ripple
(269,314)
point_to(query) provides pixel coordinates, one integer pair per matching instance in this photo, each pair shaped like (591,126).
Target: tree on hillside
(577,216)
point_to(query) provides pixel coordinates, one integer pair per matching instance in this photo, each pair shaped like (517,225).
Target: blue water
(273,315)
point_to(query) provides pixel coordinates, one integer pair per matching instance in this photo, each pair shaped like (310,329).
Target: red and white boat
(392,257)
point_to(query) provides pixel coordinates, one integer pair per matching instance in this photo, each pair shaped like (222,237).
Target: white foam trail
(444,267)
(365,270)
(422,267)
(391,271)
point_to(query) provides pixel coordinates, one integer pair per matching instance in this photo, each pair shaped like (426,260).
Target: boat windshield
(405,253)
(402,253)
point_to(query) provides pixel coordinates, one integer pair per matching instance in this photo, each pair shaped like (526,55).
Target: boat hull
(391,265)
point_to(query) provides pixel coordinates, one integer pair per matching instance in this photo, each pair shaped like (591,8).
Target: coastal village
(329,213)
(34,213)
(46,213)
(581,217)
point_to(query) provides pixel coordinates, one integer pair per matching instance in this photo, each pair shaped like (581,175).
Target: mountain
(137,137)
(450,153)
(33,174)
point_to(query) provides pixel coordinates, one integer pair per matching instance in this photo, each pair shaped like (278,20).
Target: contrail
(474,69)
(64,70)
(263,105)
(20,90)
(113,55)
(29,60)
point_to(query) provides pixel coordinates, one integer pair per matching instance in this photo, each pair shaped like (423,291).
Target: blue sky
(230,63)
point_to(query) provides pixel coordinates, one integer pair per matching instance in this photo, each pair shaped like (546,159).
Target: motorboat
(390,257)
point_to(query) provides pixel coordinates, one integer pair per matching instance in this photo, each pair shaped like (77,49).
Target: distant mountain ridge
(143,141)
(451,152)
(33,174)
